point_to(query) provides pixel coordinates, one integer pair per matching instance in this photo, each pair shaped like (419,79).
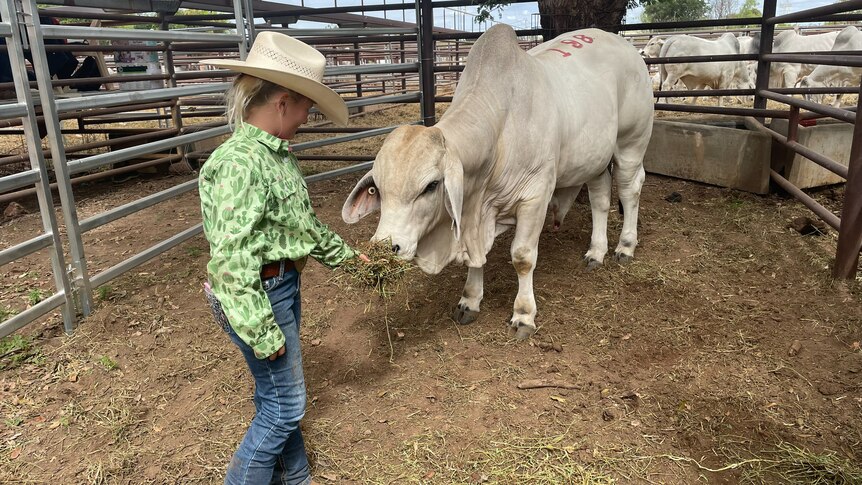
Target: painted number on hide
(576,42)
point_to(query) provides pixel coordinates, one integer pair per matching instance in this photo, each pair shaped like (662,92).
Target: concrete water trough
(718,153)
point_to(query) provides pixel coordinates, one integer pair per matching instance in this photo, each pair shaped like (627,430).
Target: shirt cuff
(269,344)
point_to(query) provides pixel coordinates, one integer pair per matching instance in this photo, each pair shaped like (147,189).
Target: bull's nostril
(396,248)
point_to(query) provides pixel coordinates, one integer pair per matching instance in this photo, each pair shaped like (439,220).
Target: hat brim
(325,99)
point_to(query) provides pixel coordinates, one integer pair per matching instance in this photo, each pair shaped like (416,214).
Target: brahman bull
(785,74)
(700,75)
(521,125)
(850,39)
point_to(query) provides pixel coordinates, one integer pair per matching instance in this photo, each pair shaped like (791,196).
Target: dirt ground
(723,354)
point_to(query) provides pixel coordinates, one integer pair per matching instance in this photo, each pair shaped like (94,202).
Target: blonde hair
(248,92)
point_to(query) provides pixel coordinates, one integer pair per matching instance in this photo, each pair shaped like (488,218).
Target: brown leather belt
(270,270)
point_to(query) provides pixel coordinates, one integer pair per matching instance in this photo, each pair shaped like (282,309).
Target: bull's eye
(431,187)
(372,190)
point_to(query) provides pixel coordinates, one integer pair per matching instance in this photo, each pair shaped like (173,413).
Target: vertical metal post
(780,156)
(58,155)
(8,10)
(457,59)
(249,12)
(426,61)
(403,60)
(240,28)
(850,234)
(767,32)
(176,115)
(356,61)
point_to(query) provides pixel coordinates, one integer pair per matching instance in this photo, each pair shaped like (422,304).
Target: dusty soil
(679,364)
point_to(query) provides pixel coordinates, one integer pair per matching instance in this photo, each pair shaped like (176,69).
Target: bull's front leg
(468,307)
(531,216)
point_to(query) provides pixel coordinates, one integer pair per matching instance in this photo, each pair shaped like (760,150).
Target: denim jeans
(273,450)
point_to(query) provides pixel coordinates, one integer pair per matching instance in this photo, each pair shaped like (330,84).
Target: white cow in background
(786,75)
(700,75)
(849,39)
(749,44)
(522,126)
(652,48)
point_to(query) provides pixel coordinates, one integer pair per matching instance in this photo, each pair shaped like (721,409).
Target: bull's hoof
(464,315)
(521,330)
(591,263)
(623,258)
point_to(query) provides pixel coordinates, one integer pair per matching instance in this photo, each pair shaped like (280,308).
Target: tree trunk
(561,16)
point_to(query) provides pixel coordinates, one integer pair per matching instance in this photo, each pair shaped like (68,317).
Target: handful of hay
(383,273)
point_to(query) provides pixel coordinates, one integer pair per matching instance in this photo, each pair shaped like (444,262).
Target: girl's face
(293,114)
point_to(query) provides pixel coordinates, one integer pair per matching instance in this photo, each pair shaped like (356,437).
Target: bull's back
(601,90)
(584,54)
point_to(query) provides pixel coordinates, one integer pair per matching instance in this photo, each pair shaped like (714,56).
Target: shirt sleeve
(331,250)
(233,200)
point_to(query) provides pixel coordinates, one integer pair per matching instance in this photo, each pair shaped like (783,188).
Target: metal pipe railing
(4,198)
(822,212)
(25,248)
(837,113)
(102,159)
(108,33)
(802,15)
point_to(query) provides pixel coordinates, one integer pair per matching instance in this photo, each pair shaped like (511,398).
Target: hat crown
(280,52)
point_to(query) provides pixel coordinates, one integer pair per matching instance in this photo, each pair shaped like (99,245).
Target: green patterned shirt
(256,210)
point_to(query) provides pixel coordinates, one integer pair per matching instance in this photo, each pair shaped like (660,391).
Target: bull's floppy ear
(453,188)
(364,200)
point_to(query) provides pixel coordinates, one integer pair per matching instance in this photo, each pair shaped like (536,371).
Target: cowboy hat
(293,64)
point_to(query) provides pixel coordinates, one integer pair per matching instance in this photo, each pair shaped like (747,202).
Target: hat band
(286,62)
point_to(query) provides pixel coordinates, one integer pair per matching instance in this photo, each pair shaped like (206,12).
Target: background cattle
(786,75)
(849,39)
(701,75)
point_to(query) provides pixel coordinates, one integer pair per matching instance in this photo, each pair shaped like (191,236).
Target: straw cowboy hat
(291,63)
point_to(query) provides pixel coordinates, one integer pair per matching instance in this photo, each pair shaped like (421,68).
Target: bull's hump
(499,43)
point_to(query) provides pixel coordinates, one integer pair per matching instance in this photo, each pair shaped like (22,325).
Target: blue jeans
(273,450)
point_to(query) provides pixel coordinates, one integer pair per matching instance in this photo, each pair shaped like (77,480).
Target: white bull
(850,39)
(521,124)
(786,75)
(652,48)
(750,44)
(700,75)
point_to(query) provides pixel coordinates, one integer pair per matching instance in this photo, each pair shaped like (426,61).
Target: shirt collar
(282,147)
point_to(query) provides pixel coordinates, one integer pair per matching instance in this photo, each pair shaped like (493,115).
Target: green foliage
(194,251)
(674,10)
(13,343)
(108,363)
(14,422)
(105,292)
(486,8)
(748,10)
(35,296)
(17,349)
(6,312)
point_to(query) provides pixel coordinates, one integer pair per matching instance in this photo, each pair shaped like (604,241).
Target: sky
(520,16)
